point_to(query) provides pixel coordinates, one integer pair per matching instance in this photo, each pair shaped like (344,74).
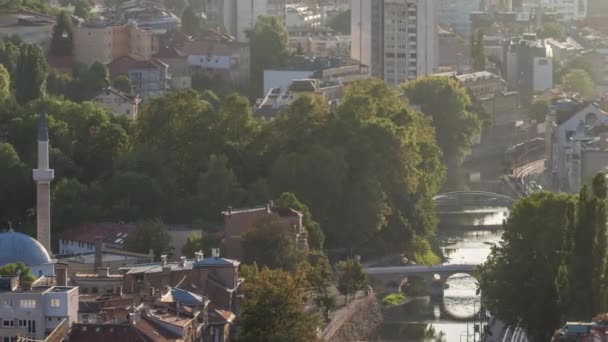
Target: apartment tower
(397,39)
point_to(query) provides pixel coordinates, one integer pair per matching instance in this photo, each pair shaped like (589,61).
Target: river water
(466,238)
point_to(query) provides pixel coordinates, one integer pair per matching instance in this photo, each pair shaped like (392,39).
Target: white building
(120,103)
(236,17)
(35,313)
(456,14)
(397,39)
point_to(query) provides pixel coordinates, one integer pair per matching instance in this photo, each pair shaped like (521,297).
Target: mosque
(19,247)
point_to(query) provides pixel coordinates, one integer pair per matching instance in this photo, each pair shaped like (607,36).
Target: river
(466,238)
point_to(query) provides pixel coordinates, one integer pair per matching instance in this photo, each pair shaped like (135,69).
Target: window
(27,303)
(55,302)
(8,323)
(7,303)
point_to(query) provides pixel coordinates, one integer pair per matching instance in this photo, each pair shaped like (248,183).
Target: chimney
(182,261)
(215,252)
(61,275)
(163,260)
(98,253)
(229,210)
(268,208)
(166,271)
(199,255)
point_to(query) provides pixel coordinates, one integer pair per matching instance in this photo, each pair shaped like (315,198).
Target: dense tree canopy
(557,271)
(149,235)
(61,41)
(274,308)
(269,42)
(579,81)
(32,70)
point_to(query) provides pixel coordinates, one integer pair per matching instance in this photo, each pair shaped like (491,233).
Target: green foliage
(351,278)
(274,308)
(269,42)
(318,275)
(40,6)
(340,23)
(191,21)
(522,280)
(394,299)
(12,184)
(61,40)
(25,275)
(5,83)
(123,83)
(551,30)
(32,69)
(206,242)
(316,238)
(446,102)
(271,243)
(579,81)
(149,235)
(538,110)
(72,205)
(82,9)
(218,187)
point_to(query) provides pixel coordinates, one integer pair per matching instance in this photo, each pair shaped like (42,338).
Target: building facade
(120,103)
(104,43)
(456,15)
(397,39)
(34,313)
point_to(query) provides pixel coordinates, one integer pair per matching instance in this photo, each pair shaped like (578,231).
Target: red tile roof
(90,232)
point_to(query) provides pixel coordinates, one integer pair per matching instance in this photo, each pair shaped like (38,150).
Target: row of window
(28,324)
(30,303)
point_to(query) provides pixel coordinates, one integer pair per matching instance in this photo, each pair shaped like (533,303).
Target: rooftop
(114,233)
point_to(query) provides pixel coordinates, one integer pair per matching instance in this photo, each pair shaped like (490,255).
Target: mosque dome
(18,247)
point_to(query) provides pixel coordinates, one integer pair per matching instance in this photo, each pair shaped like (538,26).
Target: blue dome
(18,247)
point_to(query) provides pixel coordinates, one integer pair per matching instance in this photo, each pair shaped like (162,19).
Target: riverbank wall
(355,322)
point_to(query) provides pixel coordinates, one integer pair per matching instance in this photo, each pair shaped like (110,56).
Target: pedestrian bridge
(472,198)
(390,279)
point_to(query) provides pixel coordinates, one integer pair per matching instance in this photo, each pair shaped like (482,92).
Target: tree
(351,278)
(478,53)
(191,21)
(206,242)
(149,235)
(551,30)
(132,196)
(218,188)
(446,102)
(32,70)
(123,83)
(524,280)
(24,273)
(340,22)
(271,243)
(13,202)
(61,40)
(82,9)
(5,83)
(316,238)
(274,308)
(538,110)
(588,266)
(269,43)
(579,81)
(71,205)
(318,275)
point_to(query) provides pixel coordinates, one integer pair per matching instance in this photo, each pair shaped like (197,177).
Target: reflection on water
(464,240)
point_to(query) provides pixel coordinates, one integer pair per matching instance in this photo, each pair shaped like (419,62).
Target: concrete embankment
(354,322)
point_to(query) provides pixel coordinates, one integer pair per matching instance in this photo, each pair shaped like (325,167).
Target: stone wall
(354,322)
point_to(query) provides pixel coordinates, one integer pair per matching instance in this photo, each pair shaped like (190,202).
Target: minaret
(43,176)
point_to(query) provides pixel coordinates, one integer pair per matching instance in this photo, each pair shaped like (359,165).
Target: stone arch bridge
(389,279)
(472,198)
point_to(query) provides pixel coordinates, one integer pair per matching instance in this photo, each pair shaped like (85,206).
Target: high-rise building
(43,176)
(456,15)
(237,17)
(397,39)
(566,9)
